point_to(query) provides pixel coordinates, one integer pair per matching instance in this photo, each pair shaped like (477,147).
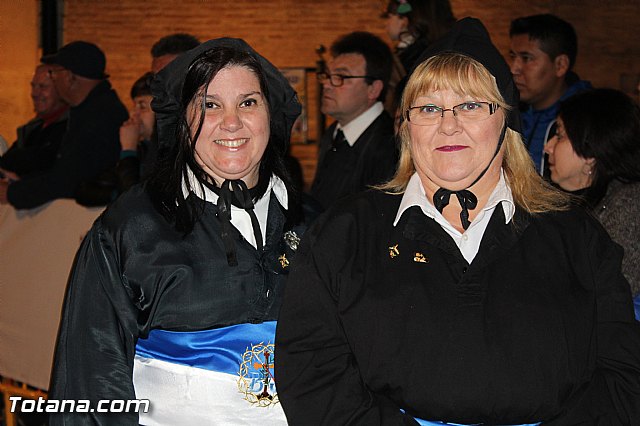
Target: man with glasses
(358,150)
(90,145)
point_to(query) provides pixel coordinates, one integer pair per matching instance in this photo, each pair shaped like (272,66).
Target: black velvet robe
(376,318)
(135,273)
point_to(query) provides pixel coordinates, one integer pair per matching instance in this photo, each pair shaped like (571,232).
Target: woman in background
(595,154)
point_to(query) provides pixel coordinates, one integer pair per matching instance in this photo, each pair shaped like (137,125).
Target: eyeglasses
(337,80)
(428,115)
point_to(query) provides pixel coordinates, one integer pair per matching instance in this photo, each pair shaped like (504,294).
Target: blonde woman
(466,290)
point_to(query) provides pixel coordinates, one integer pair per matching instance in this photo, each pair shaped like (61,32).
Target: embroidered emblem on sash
(256,376)
(393,251)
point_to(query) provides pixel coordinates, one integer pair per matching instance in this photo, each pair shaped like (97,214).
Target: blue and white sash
(211,377)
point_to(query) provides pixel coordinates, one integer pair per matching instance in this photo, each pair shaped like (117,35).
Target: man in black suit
(358,150)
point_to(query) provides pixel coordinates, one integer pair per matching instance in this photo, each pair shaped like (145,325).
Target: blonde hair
(466,76)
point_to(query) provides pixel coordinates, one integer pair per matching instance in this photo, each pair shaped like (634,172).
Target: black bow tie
(235,192)
(468,201)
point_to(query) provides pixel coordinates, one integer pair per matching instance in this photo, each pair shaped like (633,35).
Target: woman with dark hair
(595,154)
(176,289)
(466,290)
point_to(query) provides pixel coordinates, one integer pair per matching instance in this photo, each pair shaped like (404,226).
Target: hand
(8,175)
(130,133)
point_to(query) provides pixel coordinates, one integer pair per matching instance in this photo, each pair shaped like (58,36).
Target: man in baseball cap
(91,145)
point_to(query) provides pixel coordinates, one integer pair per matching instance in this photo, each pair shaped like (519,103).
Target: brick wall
(287,31)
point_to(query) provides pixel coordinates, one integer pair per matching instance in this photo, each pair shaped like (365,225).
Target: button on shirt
(239,217)
(469,241)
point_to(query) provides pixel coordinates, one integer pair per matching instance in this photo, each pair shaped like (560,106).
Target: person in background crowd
(136,135)
(137,156)
(543,53)
(413,25)
(90,145)
(467,290)
(595,153)
(177,287)
(170,47)
(358,149)
(39,140)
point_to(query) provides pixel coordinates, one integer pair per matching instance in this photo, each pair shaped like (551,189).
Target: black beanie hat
(167,85)
(469,37)
(81,58)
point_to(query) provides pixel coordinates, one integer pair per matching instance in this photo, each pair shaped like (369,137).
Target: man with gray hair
(90,145)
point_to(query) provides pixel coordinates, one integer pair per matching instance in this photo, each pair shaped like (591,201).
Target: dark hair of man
(376,52)
(604,124)
(556,36)
(142,86)
(174,44)
(430,19)
(166,182)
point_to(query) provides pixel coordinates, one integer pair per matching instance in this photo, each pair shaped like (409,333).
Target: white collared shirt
(358,125)
(239,217)
(469,241)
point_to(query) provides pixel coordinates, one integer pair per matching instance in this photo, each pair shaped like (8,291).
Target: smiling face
(43,92)
(568,170)
(451,154)
(235,130)
(540,79)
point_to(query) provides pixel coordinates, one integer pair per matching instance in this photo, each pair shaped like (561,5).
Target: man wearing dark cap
(91,143)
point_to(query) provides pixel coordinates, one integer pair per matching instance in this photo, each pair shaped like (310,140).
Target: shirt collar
(358,125)
(204,193)
(414,195)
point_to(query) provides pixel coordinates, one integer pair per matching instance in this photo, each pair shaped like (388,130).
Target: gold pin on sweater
(419,257)
(393,251)
(283,261)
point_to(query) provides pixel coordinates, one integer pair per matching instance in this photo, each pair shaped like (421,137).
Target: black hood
(469,37)
(167,85)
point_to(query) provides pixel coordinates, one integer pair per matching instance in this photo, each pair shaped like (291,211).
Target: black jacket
(135,273)
(36,148)
(370,161)
(89,147)
(377,318)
